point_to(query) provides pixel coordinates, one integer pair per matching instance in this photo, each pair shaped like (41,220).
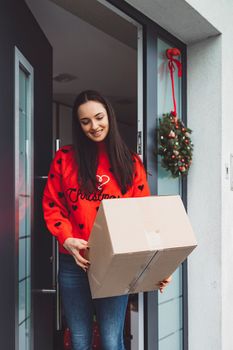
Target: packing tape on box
(153,239)
(94,279)
(98,226)
(142,273)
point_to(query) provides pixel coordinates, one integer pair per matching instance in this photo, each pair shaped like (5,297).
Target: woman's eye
(99,118)
(84,122)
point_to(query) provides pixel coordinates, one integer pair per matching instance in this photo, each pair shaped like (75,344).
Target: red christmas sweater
(68,212)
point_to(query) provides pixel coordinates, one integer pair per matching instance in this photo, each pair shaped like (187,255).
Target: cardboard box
(137,242)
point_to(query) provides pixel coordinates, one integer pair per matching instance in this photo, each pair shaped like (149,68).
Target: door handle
(44,291)
(55,264)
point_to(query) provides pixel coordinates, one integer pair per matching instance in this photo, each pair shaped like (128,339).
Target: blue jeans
(79,308)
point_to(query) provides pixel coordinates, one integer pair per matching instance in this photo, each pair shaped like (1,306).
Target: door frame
(152,31)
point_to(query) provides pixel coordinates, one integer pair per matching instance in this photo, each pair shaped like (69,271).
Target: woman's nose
(94,124)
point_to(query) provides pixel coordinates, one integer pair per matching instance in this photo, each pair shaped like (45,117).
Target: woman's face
(93,118)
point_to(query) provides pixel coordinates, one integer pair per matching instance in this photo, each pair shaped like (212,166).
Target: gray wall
(20,29)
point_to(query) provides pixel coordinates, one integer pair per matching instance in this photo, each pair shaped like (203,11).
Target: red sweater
(68,212)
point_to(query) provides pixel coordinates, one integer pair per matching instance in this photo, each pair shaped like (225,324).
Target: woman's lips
(97,133)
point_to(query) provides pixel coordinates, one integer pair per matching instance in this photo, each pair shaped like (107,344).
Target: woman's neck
(101,146)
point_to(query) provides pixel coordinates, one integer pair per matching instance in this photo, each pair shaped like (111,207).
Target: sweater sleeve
(56,213)
(140,186)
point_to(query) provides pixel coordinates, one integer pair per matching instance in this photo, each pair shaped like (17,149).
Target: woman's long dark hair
(86,150)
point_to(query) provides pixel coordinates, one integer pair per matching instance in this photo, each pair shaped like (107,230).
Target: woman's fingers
(164,283)
(80,260)
(74,245)
(83,243)
(168,280)
(80,244)
(83,266)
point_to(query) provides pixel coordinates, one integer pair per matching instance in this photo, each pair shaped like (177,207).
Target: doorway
(96,47)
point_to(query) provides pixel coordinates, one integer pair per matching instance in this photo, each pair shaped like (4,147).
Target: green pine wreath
(175,146)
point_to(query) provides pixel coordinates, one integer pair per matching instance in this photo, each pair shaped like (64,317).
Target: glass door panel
(170,302)
(23,195)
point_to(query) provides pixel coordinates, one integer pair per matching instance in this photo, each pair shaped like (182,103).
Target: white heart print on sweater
(103,180)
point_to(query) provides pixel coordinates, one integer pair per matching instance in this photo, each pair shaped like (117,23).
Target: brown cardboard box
(137,242)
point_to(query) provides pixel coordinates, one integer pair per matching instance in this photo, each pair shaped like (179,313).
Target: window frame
(22,63)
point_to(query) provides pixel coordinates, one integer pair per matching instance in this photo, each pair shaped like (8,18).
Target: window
(23,196)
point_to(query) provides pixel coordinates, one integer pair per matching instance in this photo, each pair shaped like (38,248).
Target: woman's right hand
(74,245)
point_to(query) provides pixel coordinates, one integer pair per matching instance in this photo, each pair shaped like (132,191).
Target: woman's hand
(164,283)
(74,245)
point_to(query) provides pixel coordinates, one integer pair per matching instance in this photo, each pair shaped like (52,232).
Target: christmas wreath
(175,146)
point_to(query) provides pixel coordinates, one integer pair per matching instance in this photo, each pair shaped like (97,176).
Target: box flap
(154,223)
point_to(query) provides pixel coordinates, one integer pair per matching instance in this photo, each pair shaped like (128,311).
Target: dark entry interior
(93,48)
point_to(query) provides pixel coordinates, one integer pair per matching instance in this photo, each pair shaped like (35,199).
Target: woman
(98,165)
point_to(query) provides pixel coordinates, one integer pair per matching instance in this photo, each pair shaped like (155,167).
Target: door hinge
(139,143)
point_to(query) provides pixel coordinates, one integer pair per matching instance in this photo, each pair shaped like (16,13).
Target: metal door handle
(56,284)
(55,264)
(44,291)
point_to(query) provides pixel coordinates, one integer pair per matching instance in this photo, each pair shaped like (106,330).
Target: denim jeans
(79,308)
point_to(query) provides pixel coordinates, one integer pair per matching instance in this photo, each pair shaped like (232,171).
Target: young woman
(97,166)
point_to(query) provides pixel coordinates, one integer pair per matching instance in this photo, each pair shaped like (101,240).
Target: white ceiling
(178,17)
(101,61)
(99,47)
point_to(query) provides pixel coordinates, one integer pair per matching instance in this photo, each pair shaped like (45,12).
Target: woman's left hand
(164,283)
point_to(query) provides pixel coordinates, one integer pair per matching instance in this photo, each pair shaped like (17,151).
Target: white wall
(227,194)
(210,200)
(220,14)
(204,194)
